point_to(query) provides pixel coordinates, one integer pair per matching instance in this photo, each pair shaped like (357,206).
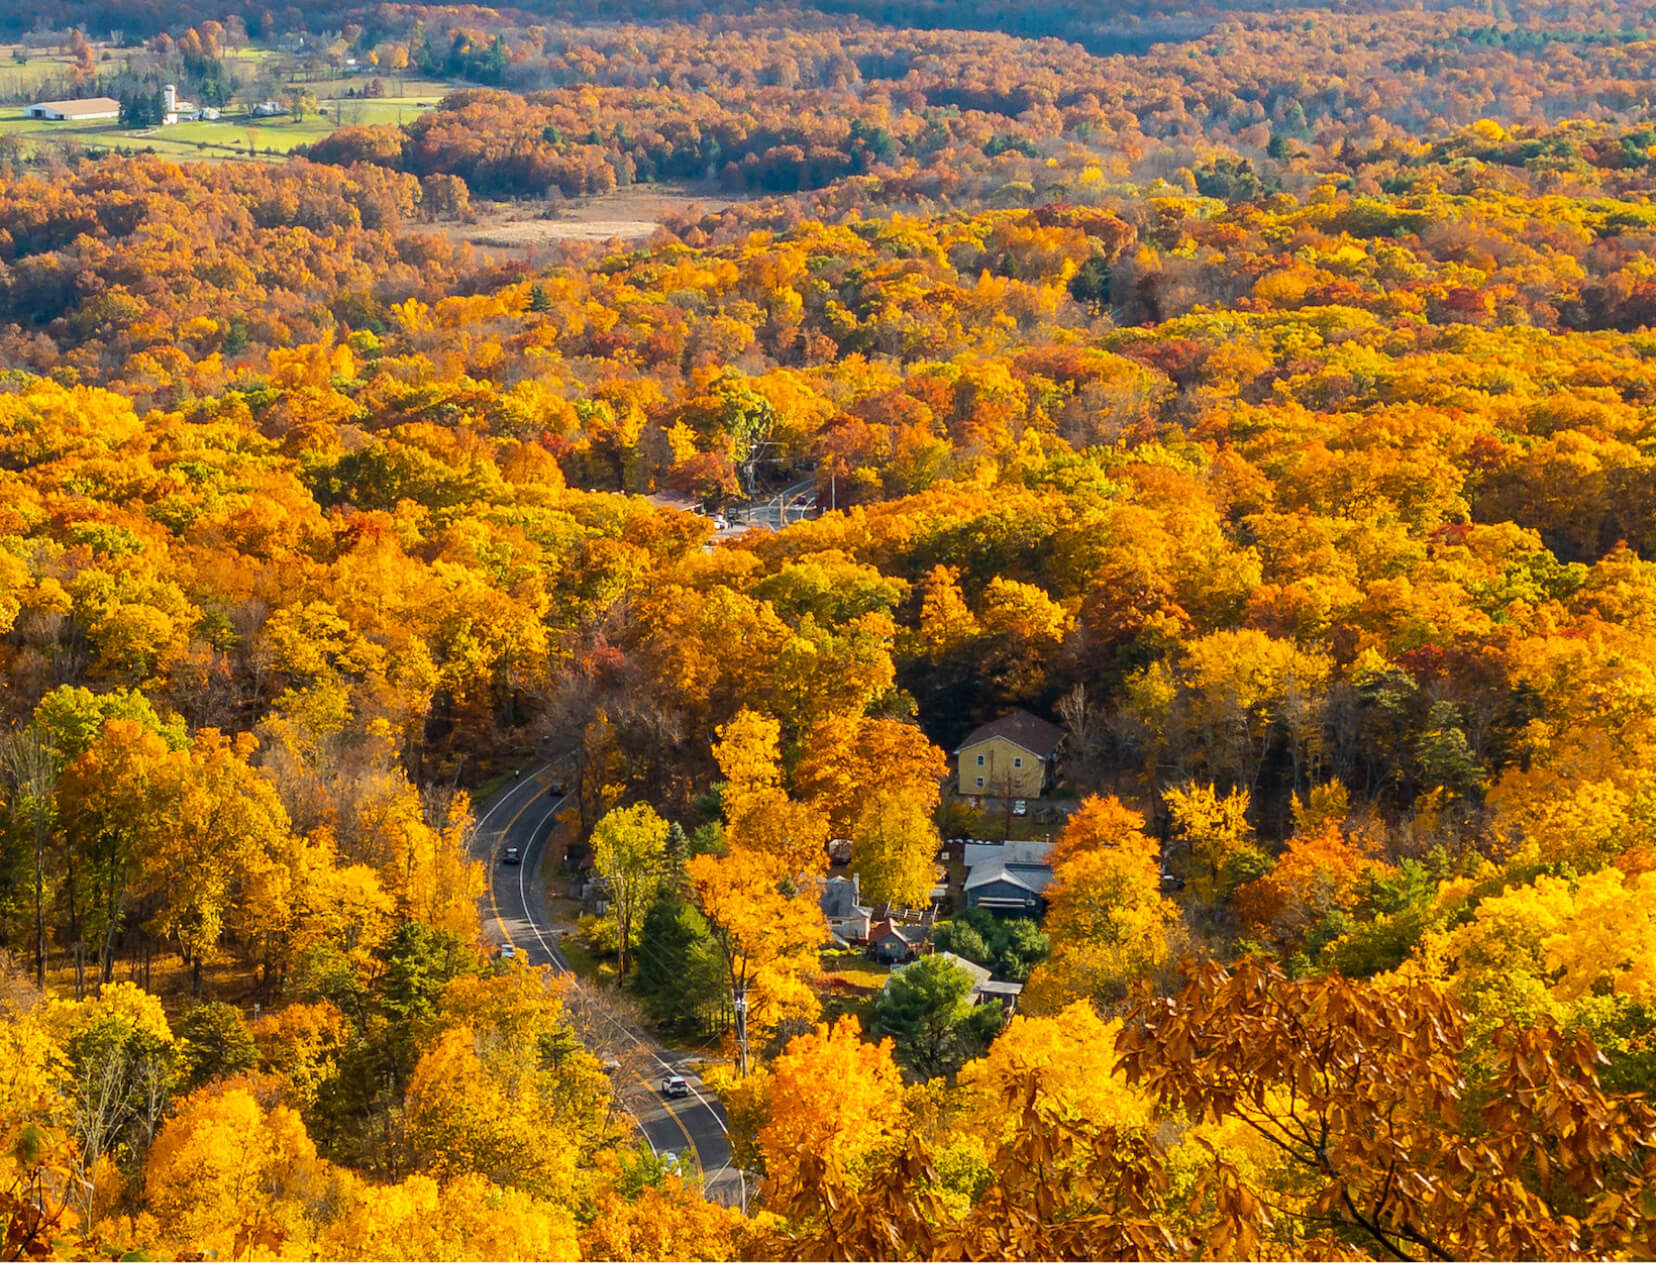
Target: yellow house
(1010,757)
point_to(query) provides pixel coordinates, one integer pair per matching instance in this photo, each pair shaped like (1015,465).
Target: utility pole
(740,1006)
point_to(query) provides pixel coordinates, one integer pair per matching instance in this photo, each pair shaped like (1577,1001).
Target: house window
(980,782)
(1018,762)
(980,760)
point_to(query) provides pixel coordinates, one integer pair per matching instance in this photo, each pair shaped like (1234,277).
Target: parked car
(674,1085)
(506,952)
(611,1066)
(1171,882)
(511,855)
(1020,807)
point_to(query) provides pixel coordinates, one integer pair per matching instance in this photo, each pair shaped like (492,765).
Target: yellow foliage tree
(1109,924)
(894,845)
(1070,1056)
(767,929)
(1215,833)
(1100,824)
(832,1099)
(225,1173)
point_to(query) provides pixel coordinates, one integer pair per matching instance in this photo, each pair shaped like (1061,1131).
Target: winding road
(514,912)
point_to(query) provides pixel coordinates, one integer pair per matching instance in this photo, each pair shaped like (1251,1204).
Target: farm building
(83,110)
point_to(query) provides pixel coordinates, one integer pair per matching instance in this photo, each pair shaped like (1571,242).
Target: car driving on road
(674,1085)
(511,855)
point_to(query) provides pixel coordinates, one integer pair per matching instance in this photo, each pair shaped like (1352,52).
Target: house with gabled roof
(891,942)
(985,988)
(1015,756)
(1010,877)
(849,919)
(998,885)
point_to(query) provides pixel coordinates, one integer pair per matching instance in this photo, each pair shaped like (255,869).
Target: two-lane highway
(515,912)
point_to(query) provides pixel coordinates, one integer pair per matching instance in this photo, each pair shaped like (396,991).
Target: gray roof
(976,972)
(1020,728)
(839,897)
(1015,852)
(1034,878)
(1000,988)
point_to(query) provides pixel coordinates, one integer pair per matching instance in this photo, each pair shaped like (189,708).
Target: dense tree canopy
(1264,395)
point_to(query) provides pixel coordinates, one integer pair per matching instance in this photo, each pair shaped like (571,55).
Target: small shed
(1004,994)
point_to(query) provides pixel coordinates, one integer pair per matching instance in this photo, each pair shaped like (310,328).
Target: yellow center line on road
(494,907)
(494,862)
(667,1105)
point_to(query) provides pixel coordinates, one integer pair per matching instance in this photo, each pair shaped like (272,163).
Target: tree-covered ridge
(1298,466)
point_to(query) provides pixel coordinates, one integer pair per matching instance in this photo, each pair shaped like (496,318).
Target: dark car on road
(511,855)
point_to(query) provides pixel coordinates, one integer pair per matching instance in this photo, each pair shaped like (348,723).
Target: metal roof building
(82,110)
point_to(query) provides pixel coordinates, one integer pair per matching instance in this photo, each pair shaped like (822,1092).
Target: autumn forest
(507,584)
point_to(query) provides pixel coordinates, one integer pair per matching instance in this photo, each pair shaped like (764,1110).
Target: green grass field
(236,136)
(230,138)
(864,975)
(19,79)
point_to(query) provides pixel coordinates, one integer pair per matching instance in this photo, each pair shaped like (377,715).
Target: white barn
(80,111)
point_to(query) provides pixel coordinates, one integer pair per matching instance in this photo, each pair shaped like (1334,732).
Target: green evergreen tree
(680,980)
(928,1012)
(215,1042)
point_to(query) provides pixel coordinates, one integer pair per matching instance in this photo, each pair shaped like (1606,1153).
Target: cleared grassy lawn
(12,120)
(387,109)
(205,141)
(36,133)
(587,967)
(862,974)
(233,135)
(20,77)
(225,139)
